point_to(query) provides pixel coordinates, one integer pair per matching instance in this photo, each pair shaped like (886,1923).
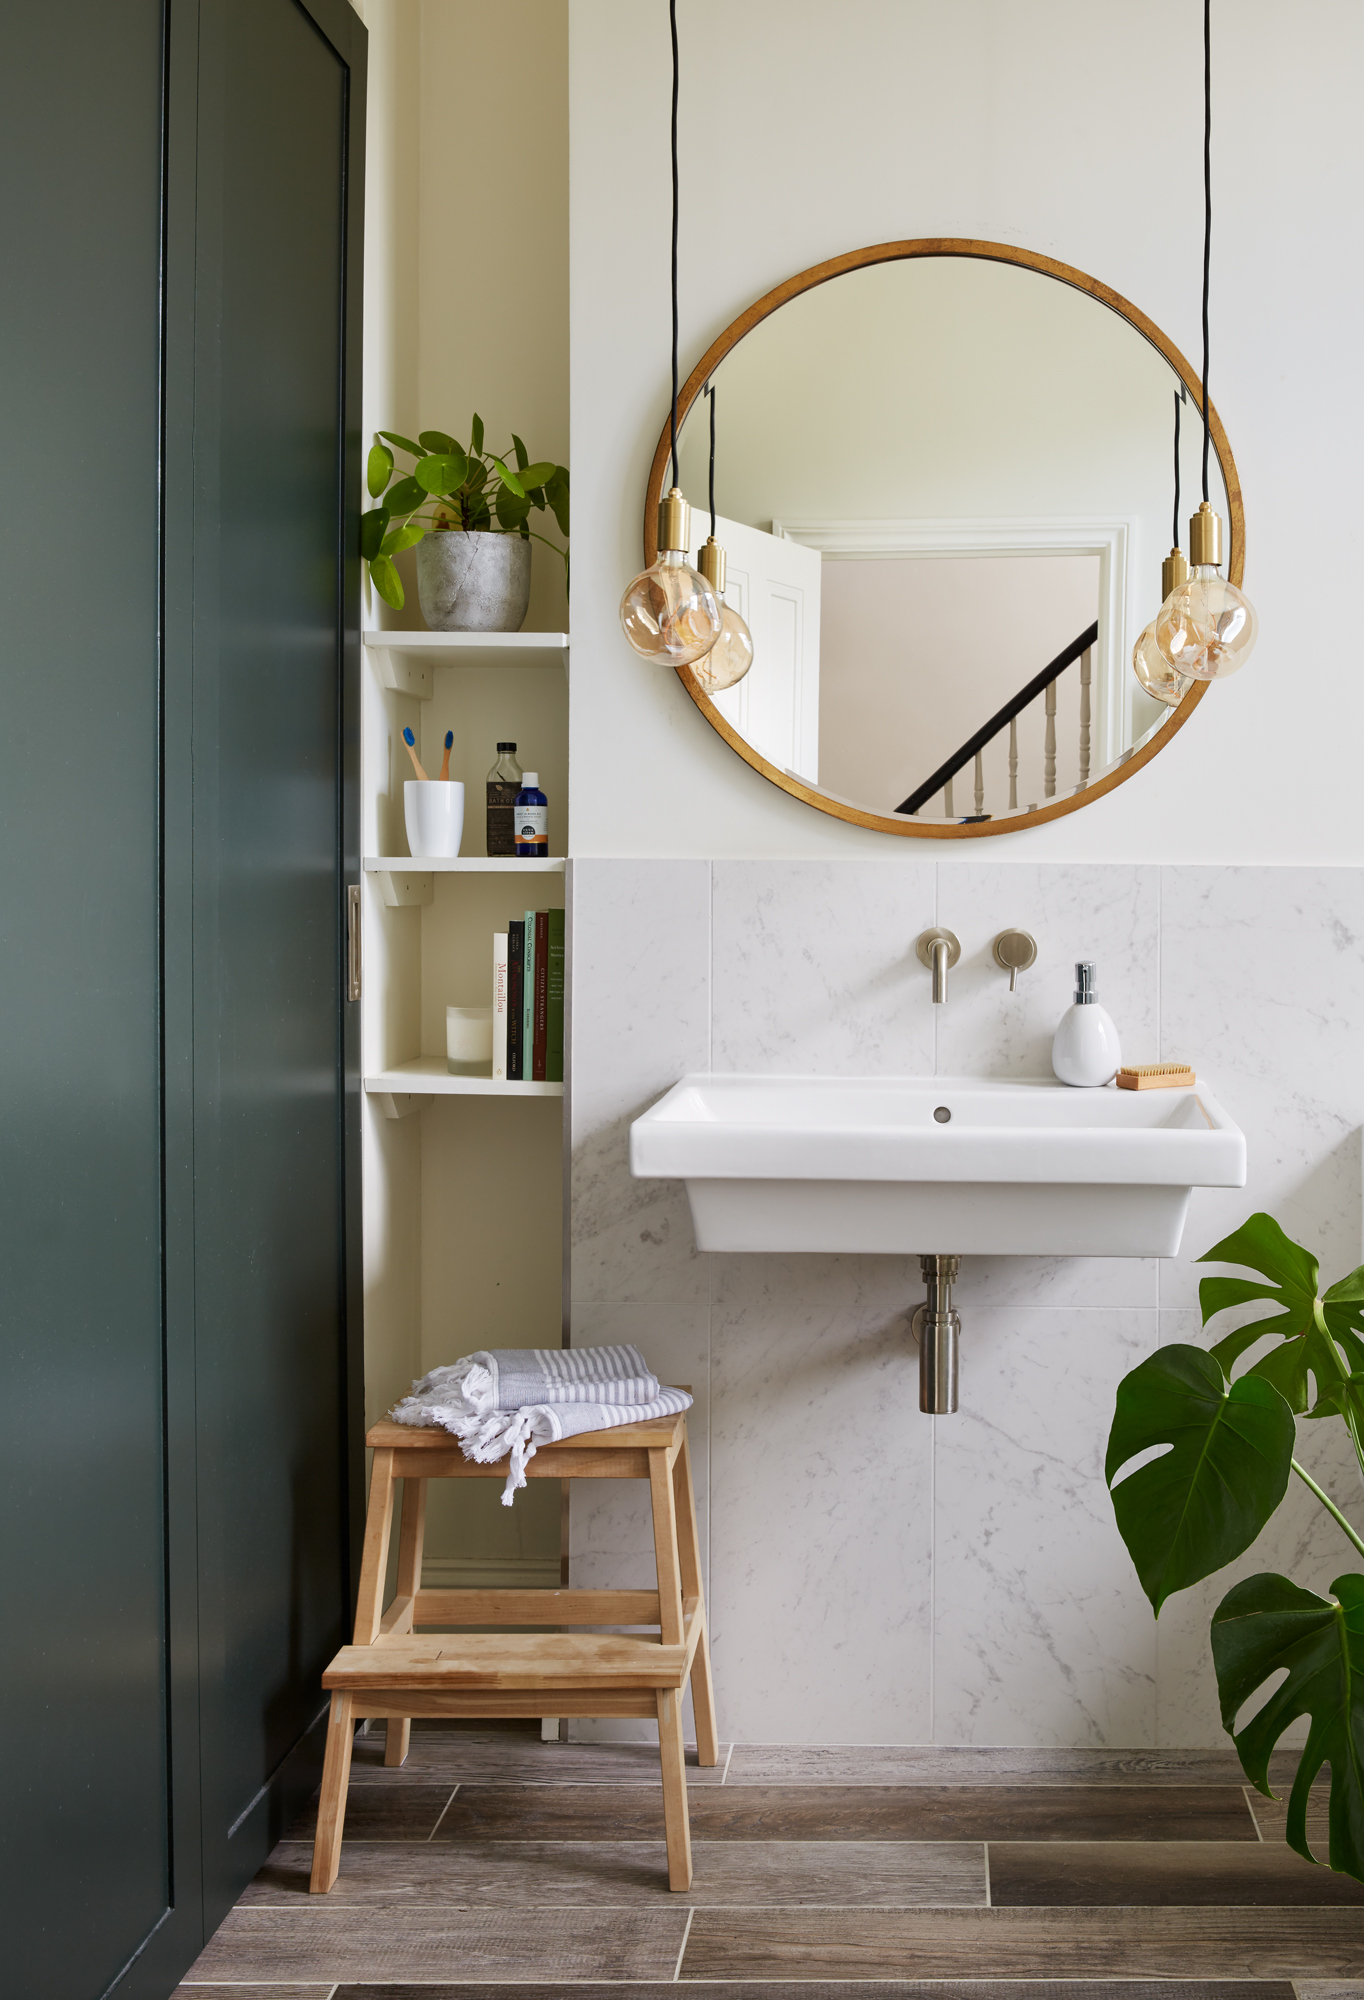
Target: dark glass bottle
(504,782)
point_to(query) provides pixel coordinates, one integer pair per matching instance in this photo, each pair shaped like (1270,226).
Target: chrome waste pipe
(937,1328)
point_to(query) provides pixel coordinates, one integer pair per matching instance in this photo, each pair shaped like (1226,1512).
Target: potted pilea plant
(467,515)
(1225,1467)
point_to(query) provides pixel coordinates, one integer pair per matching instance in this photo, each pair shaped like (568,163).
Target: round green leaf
(437,441)
(508,478)
(372,529)
(444,472)
(378,469)
(386,581)
(403,444)
(406,496)
(406,537)
(511,511)
(1190,1511)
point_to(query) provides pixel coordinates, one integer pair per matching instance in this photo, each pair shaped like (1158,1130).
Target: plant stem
(1329,1504)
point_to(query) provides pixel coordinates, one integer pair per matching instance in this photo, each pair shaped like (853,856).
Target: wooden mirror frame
(997,253)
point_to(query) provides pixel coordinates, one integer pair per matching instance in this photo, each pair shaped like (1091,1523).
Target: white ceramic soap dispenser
(1085,1047)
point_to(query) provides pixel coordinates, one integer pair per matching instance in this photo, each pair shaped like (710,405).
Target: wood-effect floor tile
(1329,1989)
(855,1812)
(384,1812)
(1271,1815)
(423,1946)
(1233,1873)
(272,1992)
(437,1753)
(891,1989)
(927,1764)
(1003,1945)
(616,1874)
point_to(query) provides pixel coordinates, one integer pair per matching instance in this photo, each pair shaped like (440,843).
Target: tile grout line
(933,1439)
(440,1816)
(709,1582)
(1161,1043)
(677,1969)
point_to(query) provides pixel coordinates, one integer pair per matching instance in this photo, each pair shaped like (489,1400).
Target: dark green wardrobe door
(84,1845)
(274,573)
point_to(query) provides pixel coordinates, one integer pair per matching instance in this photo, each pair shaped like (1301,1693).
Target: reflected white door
(773,584)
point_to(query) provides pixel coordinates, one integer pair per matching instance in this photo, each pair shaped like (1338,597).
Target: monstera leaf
(1205,1499)
(1320,1336)
(1264,1626)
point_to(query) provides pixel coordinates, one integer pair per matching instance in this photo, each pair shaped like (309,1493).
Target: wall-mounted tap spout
(937,950)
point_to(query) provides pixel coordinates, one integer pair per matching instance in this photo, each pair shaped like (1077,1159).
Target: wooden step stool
(390,1672)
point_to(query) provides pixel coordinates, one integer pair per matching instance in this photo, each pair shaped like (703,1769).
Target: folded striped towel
(503,1401)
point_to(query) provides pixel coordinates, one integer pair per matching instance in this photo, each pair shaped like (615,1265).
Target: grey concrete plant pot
(472,582)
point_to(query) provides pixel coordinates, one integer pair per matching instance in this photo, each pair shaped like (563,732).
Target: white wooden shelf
(406,660)
(471,864)
(407,882)
(403,1087)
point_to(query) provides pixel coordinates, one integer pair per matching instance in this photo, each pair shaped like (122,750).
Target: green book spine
(528,999)
(554,1038)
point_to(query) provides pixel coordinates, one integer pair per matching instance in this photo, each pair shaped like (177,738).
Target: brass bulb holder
(674,522)
(1173,571)
(711,563)
(1205,538)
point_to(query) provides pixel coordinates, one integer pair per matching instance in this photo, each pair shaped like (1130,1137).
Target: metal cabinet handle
(353,941)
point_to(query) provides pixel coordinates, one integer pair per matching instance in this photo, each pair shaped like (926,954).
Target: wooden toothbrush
(410,740)
(445,760)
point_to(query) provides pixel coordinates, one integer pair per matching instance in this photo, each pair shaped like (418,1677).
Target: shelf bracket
(403,673)
(399,1103)
(403,891)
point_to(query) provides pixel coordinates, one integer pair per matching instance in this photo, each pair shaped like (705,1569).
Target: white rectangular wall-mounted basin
(948,1164)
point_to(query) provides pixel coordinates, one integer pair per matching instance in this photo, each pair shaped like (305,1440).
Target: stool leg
(398,1729)
(665,1549)
(689,1557)
(369,1605)
(676,1822)
(331,1806)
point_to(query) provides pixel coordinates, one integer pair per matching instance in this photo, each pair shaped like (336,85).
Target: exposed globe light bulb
(1207,627)
(1161,680)
(669,612)
(730,658)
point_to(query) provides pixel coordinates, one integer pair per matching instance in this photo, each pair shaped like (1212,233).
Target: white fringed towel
(510,1401)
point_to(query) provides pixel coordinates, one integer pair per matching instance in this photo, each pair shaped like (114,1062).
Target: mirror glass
(933,478)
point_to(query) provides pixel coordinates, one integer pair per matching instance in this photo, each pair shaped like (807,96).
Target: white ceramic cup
(469,1040)
(434,812)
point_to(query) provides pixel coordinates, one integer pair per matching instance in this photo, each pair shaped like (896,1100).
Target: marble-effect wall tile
(821,1502)
(1041,1633)
(1110,914)
(815,970)
(863,1556)
(1262,988)
(641,1020)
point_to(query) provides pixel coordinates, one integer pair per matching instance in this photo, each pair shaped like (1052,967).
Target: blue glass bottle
(531,818)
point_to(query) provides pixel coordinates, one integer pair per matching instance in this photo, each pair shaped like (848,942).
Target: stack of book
(528,999)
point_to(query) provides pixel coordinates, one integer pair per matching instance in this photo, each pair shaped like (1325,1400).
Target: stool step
(451,1660)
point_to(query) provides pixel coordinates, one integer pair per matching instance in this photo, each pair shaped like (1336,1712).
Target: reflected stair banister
(945,773)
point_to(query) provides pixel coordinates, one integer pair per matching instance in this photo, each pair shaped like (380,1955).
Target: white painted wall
(1066,128)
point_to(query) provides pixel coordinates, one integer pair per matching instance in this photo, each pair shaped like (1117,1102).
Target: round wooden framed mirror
(944,475)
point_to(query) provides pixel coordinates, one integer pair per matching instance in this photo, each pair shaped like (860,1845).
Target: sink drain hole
(942,1114)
